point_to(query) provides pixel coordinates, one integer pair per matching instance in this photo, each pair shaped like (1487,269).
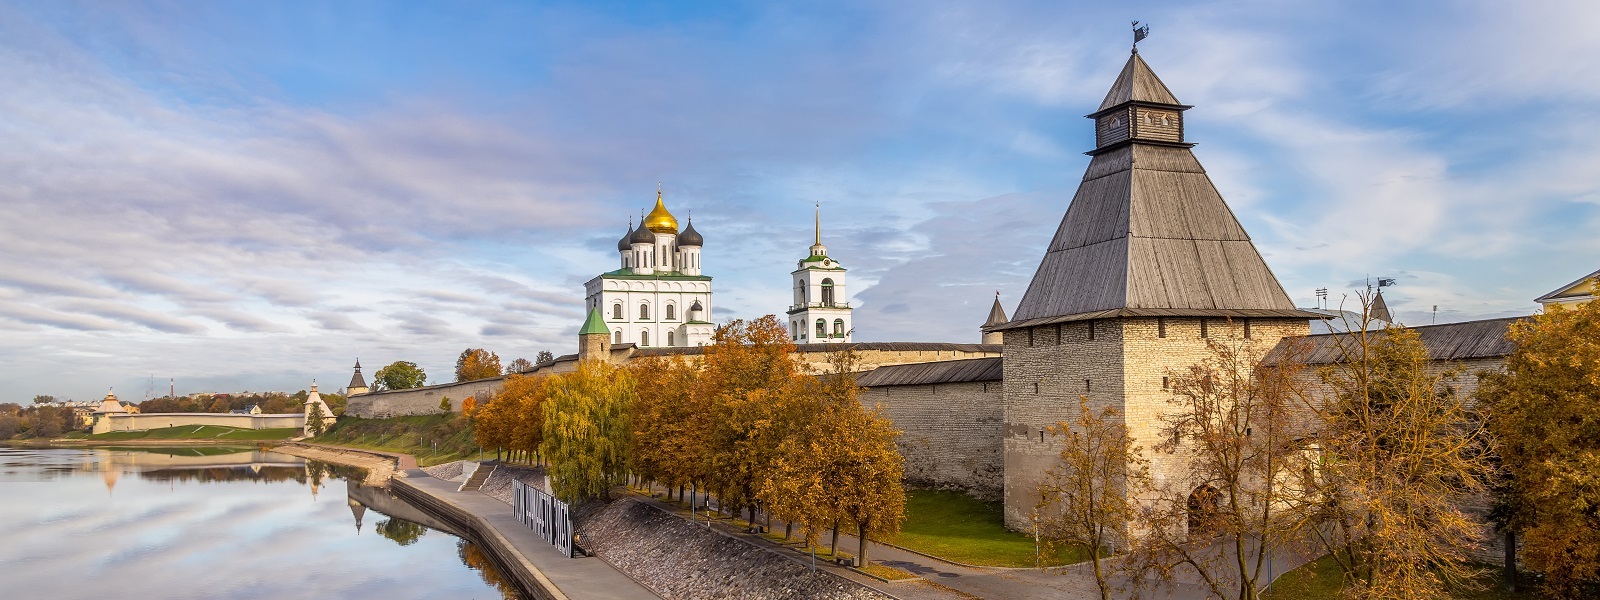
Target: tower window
(822,328)
(1204,331)
(1030,345)
(1247,329)
(827,292)
(1086,387)
(644,312)
(1091,330)
(1161,327)
(1166,383)
(838,328)
(616,312)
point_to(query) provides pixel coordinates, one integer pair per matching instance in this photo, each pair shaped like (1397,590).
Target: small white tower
(821,311)
(314,406)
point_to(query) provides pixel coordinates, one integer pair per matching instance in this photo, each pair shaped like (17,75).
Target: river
(217,523)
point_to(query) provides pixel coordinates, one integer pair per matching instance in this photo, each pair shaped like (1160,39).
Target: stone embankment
(380,467)
(679,559)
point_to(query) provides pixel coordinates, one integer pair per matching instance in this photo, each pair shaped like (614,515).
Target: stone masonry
(951,433)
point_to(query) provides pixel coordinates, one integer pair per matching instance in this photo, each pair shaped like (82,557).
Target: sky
(250,196)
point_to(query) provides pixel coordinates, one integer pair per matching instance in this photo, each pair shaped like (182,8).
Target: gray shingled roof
(887,346)
(1450,341)
(949,371)
(1137,83)
(1147,231)
(997,314)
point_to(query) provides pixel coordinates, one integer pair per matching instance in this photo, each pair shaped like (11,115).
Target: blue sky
(246,195)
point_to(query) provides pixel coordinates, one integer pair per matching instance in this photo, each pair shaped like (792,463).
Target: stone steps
(473,476)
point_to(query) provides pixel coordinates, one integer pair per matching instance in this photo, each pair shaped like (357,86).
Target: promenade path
(586,578)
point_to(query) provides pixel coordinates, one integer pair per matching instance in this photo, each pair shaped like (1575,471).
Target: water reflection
(207,522)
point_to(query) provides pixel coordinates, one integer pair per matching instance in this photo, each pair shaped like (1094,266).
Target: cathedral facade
(657,296)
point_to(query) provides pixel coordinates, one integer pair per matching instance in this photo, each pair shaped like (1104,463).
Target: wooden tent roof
(997,314)
(1450,341)
(949,371)
(1147,234)
(1137,83)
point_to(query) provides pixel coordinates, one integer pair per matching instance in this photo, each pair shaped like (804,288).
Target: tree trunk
(861,550)
(1511,560)
(788,530)
(833,546)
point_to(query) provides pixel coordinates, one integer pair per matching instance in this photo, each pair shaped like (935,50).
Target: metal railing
(548,517)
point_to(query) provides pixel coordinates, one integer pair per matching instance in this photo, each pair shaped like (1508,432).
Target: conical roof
(1380,309)
(997,314)
(357,381)
(1147,234)
(594,324)
(1137,83)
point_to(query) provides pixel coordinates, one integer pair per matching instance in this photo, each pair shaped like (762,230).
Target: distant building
(358,384)
(255,409)
(1572,294)
(657,297)
(821,310)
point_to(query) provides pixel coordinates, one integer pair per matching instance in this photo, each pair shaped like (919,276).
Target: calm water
(217,523)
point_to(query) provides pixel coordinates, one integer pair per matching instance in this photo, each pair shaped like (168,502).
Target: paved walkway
(586,578)
(403,462)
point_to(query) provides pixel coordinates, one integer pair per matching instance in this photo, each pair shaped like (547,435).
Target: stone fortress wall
(951,422)
(108,423)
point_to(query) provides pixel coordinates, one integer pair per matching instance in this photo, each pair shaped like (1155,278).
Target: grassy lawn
(414,435)
(1320,580)
(958,527)
(198,432)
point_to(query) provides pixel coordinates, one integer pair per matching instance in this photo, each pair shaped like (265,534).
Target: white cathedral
(658,296)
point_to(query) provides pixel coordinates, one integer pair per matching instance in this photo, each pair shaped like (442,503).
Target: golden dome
(659,220)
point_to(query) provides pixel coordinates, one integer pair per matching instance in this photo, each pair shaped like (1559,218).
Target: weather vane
(1139,32)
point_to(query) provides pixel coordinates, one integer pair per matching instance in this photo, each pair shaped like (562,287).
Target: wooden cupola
(1139,108)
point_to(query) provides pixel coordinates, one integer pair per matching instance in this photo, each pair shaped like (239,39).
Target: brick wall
(950,433)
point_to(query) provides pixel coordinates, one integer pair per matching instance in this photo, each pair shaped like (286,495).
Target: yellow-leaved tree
(1544,412)
(746,369)
(666,446)
(587,426)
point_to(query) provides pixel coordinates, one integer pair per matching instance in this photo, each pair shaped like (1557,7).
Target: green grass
(1321,580)
(889,573)
(414,435)
(960,528)
(198,432)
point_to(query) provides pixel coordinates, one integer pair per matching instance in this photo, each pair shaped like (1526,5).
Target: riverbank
(380,467)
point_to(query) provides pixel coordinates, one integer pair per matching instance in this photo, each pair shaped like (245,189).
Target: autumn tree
(399,375)
(477,363)
(666,418)
(1544,411)
(1232,429)
(586,430)
(43,399)
(512,417)
(517,366)
(745,368)
(1400,457)
(544,357)
(1090,497)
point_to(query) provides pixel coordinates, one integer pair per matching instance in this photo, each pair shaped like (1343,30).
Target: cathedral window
(827,292)
(616,311)
(670,337)
(644,337)
(838,328)
(672,313)
(616,338)
(644,312)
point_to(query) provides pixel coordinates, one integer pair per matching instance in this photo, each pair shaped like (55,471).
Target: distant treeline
(272,403)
